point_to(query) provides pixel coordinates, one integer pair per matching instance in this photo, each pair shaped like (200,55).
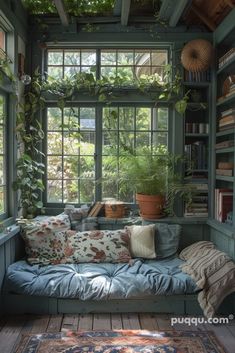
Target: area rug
(123,341)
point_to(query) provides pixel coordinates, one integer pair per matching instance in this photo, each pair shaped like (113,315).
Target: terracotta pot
(151,206)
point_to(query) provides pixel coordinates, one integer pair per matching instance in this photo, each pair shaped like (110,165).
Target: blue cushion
(166,239)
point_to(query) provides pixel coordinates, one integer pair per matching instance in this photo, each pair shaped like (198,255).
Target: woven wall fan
(196,55)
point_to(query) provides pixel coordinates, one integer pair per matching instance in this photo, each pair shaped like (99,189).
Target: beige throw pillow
(142,241)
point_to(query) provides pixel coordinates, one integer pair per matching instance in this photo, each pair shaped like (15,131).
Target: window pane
(125,72)
(126,118)
(72,57)
(88,57)
(1,140)
(108,71)
(70,71)
(108,57)
(71,143)
(142,71)
(143,118)
(2,174)
(71,119)
(110,118)
(54,117)
(110,143)
(87,167)
(55,72)
(159,57)
(142,57)
(125,57)
(161,120)
(71,191)
(87,191)
(143,139)
(87,145)
(55,58)
(160,138)
(2,200)
(54,143)
(54,167)
(54,191)
(70,167)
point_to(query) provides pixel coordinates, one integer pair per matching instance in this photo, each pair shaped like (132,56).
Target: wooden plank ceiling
(207,14)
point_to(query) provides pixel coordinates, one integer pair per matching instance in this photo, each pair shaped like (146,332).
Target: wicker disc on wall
(196,55)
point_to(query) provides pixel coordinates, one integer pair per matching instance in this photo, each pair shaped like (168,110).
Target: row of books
(225,168)
(196,128)
(230,93)
(197,76)
(226,57)
(198,207)
(227,119)
(196,154)
(223,203)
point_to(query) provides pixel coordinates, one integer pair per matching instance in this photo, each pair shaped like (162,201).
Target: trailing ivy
(29,166)
(105,89)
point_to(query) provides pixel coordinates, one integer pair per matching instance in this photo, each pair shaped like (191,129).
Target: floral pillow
(45,240)
(99,246)
(52,242)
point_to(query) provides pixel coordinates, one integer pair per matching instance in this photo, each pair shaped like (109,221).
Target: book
(96,209)
(227,118)
(226,205)
(197,214)
(218,204)
(229,111)
(226,127)
(226,172)
(225,165)
(224,144)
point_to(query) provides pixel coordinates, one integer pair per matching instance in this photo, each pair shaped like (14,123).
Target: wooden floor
(12,327)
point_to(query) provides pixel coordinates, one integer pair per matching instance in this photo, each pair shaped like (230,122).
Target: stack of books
(226,57)
(223,203)
(227,119)
(224,144)
(199,205)
(225,168)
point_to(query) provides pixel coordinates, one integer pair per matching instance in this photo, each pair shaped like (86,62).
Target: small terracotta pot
(151,206)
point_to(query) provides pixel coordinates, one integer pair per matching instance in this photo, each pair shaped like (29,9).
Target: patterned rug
(124,341)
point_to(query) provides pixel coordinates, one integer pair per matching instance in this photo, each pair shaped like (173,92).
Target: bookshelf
(196,141)
(224,134)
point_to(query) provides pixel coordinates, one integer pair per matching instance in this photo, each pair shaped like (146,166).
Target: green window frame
(87,164)
(3,157)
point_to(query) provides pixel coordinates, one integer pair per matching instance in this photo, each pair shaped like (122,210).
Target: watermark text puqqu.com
(195,321)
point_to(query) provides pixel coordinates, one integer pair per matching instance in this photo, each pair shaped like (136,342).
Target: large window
(86,142)
(128,64)
(73,154)
(3,205)
(2,40)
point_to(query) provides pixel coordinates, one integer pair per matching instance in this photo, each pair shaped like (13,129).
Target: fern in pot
(151,173)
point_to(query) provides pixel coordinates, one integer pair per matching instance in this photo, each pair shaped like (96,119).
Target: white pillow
(142,241)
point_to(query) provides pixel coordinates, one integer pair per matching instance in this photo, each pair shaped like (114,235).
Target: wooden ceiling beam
(179,9)
(59,4)
(166,10)
(205,19)
(125,11)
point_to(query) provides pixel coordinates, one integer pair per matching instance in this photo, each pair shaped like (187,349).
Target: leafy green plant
(29,165)
(153,172)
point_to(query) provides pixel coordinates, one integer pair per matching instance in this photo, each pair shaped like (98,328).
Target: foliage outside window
(126,65)
(2,155)
(72,151)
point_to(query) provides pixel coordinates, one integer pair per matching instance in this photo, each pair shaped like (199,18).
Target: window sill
(4,237)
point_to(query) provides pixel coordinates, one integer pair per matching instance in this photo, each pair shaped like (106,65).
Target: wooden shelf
(226,132)
(225,150)
(197,106)
(225,178)
(196,84)
(225,66)
(196,135)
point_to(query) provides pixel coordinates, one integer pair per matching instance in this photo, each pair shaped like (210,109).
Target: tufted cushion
(142,241)
(45,241)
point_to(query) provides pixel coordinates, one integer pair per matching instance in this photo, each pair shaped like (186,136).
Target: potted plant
(152,175)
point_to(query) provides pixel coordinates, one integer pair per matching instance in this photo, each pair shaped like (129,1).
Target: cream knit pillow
(142,241)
